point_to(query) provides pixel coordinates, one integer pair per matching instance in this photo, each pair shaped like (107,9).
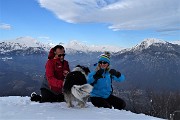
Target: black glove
(115,73)
(98,74)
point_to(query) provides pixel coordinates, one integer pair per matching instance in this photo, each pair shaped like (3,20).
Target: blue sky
(123,23)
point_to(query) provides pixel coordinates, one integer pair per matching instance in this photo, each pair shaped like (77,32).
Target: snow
(6,58)
(71,46)
(151,41)
(82,46)
(146,43)
(21,108)
(23,43)
(176,42)
(74,45)
(26,41)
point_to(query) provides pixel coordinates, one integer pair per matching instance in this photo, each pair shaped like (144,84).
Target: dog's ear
(78,66)
(86,69)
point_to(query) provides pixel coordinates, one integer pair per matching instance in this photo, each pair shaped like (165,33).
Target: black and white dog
(75,86)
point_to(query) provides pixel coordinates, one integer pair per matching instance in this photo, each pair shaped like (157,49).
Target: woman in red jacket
(56,70)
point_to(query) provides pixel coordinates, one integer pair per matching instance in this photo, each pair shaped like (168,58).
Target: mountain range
(151,64)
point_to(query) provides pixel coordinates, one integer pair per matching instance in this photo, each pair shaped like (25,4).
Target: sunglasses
(102,62)
(61,55)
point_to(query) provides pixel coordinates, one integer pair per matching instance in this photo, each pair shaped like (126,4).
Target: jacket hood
(51,54)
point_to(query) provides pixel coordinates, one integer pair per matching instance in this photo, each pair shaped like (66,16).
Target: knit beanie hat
(105,57)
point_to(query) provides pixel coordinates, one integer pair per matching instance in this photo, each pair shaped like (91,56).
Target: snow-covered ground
(21,108)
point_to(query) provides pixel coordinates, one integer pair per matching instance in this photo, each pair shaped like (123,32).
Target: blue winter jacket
(103,86)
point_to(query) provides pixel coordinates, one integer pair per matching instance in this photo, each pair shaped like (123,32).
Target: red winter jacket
(54,74)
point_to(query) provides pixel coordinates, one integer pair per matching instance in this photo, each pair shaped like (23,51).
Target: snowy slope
(26,41)
(176,42)
(22,43)
(81,46)
(146,43)
(21,108)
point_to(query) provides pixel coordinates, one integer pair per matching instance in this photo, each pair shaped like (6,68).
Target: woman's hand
(98,74)
(115,73)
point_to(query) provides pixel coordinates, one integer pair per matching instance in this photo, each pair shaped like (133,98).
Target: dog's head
(83,69)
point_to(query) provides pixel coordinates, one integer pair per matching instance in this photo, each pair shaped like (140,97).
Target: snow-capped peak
(151,41)
(25,41)
(176,42)
(76,45)
(71,47)
(82,46)
(148,42)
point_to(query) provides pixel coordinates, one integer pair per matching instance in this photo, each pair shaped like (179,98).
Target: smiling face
(59,53)
(103,64)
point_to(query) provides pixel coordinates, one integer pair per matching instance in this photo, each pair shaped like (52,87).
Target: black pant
(48,96)
(111,101)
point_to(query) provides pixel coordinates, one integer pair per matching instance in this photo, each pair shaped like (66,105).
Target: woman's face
(103,64)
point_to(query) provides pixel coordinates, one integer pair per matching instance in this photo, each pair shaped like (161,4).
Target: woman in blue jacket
(101,79)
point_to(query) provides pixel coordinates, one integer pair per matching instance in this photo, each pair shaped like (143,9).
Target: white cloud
(44,37)
(120,14)
(4,26)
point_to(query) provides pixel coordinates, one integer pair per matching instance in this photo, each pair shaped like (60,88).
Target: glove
(115,73)
(98,74)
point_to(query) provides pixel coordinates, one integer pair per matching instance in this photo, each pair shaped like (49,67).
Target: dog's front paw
(70,105)
(81,104)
